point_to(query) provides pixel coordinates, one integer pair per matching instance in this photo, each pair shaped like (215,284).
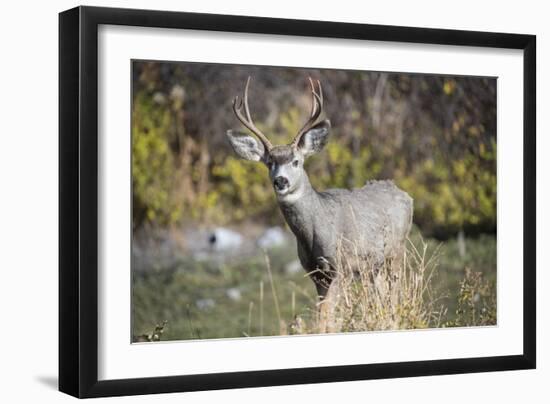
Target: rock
(271,238)
(234,294)
(222,239)
(205,304)
(293,267)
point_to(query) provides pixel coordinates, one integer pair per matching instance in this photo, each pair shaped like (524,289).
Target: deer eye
(295,163)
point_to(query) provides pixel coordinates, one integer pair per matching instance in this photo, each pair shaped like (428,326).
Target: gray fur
(376,219)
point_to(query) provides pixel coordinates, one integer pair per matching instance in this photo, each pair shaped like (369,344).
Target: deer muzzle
(280,183)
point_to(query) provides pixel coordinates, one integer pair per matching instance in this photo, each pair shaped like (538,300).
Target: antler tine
(247,121)
(314,96)
(246,109)
(316,110)
(313,101)
(320,93)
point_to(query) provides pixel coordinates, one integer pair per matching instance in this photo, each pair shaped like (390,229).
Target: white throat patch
(291,197)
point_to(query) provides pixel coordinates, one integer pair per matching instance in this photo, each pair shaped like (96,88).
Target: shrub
(477,301)
(153,173)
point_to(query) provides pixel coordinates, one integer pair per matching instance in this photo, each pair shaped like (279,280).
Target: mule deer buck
(375,219)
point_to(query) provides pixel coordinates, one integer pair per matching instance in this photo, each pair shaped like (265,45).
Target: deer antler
(316,109)
(247,121)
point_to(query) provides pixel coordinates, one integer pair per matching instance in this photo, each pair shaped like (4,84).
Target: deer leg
(327,321)
(320,277)
(322,287)
(323,282)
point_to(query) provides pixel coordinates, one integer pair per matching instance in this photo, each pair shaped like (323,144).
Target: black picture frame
(78,201)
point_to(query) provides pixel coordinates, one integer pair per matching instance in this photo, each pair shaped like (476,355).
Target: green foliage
(434,136)
(243,187)
(338,167)
(452,195)
(152,163)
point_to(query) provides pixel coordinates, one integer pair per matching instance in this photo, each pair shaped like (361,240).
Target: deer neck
(300,210)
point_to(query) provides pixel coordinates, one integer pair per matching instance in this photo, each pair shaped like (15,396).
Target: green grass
(172,296)
(175,295)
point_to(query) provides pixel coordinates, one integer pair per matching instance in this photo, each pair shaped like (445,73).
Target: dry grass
(364,296)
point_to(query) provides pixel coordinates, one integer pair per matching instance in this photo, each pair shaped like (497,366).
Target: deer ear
(246,146)
(315,139)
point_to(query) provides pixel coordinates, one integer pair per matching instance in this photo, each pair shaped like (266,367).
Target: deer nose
(280,182)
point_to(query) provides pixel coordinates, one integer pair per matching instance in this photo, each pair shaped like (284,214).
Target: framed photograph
(252,201)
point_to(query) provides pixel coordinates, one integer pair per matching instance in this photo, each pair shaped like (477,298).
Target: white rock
(272,237)
(205,304)
(222,239)
(234,294)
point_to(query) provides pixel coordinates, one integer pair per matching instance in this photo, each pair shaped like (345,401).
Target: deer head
(284,162)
